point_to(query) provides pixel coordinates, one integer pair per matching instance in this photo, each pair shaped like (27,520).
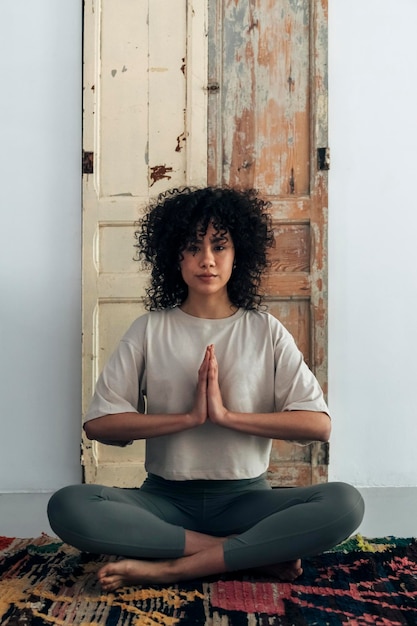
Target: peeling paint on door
(158,172)
(181,139)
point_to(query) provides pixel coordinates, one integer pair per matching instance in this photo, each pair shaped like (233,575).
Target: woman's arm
(132,426)
(289,425)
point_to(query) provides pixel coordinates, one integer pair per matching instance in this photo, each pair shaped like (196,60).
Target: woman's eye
(192,249)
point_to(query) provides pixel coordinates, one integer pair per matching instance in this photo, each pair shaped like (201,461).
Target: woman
(220,379)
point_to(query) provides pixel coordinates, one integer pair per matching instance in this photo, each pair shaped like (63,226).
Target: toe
(111,583)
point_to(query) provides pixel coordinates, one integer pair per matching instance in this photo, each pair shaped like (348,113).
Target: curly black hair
(175,217)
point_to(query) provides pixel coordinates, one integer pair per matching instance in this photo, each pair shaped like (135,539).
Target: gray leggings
(268,525)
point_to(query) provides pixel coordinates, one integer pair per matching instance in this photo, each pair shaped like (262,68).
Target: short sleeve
(120,384)
(296,387)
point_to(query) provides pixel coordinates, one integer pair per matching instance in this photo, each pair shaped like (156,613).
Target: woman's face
(207,262)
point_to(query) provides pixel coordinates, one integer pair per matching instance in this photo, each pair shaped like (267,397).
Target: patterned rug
(361,582)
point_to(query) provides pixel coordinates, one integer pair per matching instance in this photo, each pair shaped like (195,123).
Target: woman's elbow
(90,429)
(325,428)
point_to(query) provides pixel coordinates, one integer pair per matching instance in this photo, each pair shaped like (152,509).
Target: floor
(389,511)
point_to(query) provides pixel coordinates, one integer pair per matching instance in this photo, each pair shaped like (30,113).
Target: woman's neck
(208,309)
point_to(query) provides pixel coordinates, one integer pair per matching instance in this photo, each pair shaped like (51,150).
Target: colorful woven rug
(361,582)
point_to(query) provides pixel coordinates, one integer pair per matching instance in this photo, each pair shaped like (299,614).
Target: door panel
(179,93)
(140,85)
(260,55)
(267,119)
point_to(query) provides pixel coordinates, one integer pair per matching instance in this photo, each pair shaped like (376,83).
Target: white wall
(40,329)
(373,215)
(372,235)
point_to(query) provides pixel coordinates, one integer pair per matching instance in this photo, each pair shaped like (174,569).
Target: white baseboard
(389,511)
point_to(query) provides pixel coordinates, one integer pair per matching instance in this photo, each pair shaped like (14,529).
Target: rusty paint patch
(253,24)
(158,172)
(181,139)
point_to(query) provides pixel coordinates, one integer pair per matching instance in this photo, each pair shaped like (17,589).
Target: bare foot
(128,572)
(134,572)
(286,572)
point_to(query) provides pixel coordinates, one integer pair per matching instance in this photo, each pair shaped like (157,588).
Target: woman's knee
(347,502)
(64,504)
(59,502)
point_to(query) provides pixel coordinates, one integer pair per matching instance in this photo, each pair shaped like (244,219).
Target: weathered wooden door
(223,91)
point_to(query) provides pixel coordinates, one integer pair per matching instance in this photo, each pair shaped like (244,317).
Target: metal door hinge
(88,162)
(323,158)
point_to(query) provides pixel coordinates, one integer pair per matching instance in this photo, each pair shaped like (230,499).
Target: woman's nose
(207,258)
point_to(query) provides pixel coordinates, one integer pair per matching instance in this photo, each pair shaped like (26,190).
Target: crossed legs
(267,529)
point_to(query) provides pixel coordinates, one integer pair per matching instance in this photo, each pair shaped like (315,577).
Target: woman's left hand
(217,412)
